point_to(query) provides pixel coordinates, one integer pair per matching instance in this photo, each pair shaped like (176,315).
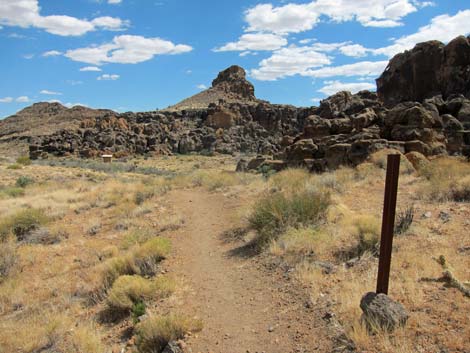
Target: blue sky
(147,54)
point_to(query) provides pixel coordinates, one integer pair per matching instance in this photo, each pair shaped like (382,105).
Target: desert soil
(244,306)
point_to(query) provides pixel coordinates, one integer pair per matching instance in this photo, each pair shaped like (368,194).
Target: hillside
(46,118)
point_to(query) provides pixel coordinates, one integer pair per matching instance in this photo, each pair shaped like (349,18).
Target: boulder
(172,347)
(221,119)
(418,160)
(381,312)
(300,150)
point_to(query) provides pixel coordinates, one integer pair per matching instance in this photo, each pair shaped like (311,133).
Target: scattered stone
(444,216)
(381,312)
(426,215)
(172,347)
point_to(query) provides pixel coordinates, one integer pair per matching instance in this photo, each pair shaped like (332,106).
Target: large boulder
(233,80)
(429,69)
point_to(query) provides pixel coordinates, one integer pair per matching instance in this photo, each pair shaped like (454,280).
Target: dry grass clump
(367,233)
(130,290)
(143,260)
(22,222)
(156,332)
(275,212)
(147,256)
(298,243)
(12,191)
(447,179)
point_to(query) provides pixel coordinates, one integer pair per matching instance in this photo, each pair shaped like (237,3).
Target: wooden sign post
(388,222)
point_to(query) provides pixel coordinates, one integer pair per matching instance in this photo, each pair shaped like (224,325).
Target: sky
(141,55)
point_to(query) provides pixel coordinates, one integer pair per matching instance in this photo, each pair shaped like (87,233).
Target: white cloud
(443,28)
(288,62)
(52,53)
(113,2)
(362,68)
(332,87)
(354,50)
(23,99)
(255,41)
(126,49)
(71,105)
(28,56)
(90,68)
(26,13)
(74,83)
(50,93)
(108,77)
(327,47)
(201,86)
(6,100)
(295,18)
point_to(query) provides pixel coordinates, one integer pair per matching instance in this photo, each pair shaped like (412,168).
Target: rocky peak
(233,80)
(429,69)
(43,108)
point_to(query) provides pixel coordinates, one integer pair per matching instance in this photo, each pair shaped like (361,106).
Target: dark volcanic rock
(381,312)
(428,70)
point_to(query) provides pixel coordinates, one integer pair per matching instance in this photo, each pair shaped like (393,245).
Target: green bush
(22,222)
(23,160)
(367,233)
(276,212)
(156,332)
(138,310)
(24,181)
(129,290)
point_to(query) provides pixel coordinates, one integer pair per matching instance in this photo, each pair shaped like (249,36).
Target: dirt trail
(244,306)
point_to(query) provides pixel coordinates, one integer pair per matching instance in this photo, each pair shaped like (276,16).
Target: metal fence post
(388,222)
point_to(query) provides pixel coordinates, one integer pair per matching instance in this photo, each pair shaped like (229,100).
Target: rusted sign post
(388,222)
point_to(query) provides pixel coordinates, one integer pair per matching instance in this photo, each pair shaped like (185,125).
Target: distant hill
(230,86)
(45,118)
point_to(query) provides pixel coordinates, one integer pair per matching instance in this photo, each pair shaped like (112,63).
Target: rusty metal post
(388,222)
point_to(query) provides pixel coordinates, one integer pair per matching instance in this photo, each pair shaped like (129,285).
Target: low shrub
(23,160)
(154,333)
(380,160)
(8,259)
(277,211)
(461,190)
(141,196)
(22,222)
(116,267)
(404,220)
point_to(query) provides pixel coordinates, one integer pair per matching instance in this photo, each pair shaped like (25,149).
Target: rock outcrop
(429,69)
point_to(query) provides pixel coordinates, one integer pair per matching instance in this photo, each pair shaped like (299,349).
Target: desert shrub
(147,256)
(155,333)
(13,192)
(275,212)
(367,232)
(404,220)
(22,222)
(138,310)
(8,259)
(23,160)
(24,181)
(15,166)
(141,196)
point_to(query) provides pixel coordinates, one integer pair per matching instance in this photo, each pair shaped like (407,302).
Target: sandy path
(244,307)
